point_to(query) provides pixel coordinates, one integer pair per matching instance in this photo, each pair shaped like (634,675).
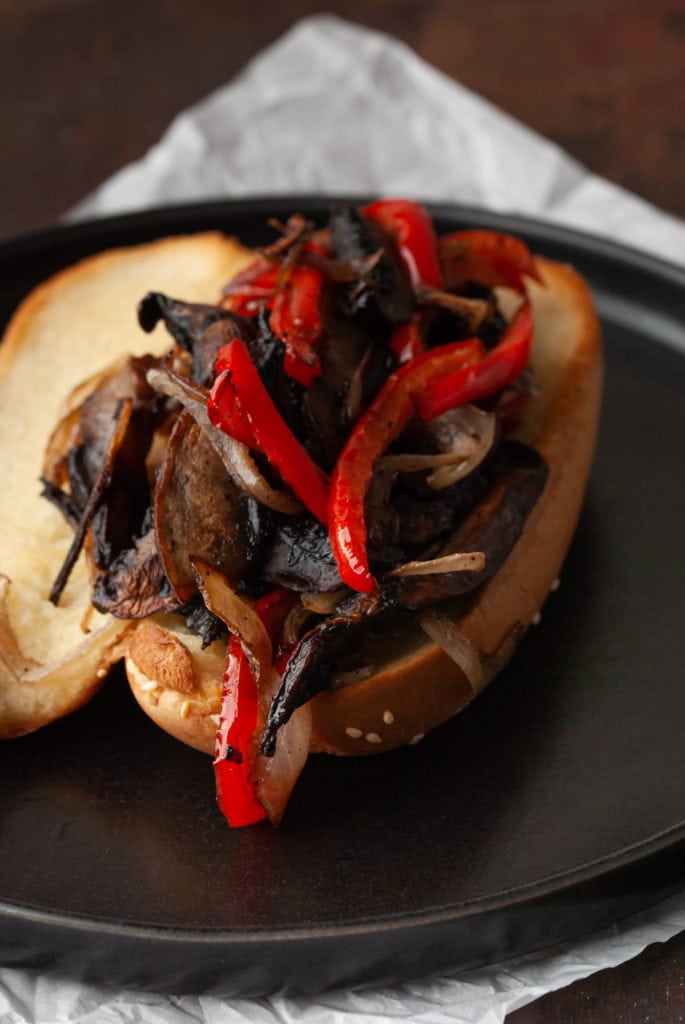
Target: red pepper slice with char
(240,405)
(252,288)
(239,716)
(296,320)
(431,384)
(293,294)
(412,228)
(492,258)
(383,421)
(239,707)
(502,365)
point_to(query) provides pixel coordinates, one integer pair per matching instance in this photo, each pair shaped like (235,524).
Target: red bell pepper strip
(488,257)
(383,421)
(274,607)
(239,717)
(296,317)
(251,288)
(240,405)
(293,295)
(412,228)
(239,707)
(502,365)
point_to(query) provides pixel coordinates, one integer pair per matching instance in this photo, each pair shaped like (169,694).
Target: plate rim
(72,225)
(591,871)
(669,272)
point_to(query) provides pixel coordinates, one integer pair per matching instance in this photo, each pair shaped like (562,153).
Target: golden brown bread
(405,695)
(81,320)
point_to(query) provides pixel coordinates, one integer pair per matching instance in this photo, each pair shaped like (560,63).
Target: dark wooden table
(88,85)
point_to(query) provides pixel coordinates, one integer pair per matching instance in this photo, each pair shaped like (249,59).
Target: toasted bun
(53,658)
(425,687)
(409,693)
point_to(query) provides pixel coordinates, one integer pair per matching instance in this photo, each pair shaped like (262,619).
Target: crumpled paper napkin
(335,108)
(482,996)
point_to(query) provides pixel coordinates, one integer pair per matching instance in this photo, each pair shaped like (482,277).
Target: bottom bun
(392,701)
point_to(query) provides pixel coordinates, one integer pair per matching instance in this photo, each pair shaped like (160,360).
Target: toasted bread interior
(70,327)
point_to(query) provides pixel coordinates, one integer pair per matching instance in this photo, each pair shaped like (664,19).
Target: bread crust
(52,659)
(402,700)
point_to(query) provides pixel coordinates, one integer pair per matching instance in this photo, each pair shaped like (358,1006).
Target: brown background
(88,85)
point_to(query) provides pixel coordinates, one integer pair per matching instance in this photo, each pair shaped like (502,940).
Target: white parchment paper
(334,108)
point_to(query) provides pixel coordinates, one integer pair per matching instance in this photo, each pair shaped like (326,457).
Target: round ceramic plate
(552,805)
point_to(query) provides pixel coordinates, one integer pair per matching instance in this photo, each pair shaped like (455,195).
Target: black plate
(554,804)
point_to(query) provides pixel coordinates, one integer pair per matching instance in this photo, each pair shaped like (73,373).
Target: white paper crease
(334,108)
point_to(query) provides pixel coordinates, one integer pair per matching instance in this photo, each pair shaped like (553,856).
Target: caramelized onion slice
(458,561)
(479,668)
(240,617)
(275,776)
(464,436)
(474,311)
(324,603)
(293,626)
(235,456)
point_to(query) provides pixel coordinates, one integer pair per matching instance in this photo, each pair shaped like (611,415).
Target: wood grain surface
(88,85)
